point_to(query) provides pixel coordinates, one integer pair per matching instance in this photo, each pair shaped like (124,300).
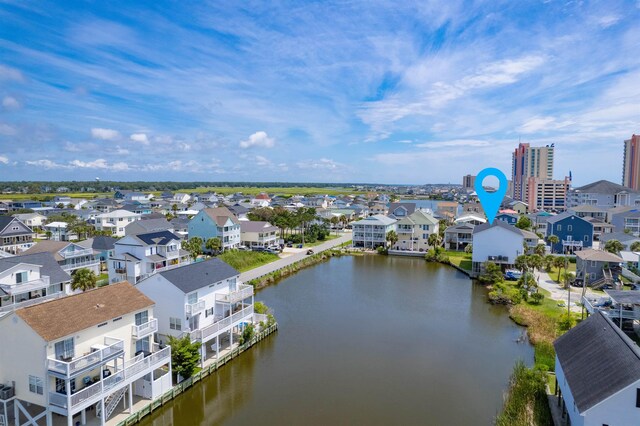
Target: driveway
(292,258)
(559,293)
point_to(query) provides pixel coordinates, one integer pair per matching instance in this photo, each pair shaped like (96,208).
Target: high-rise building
(530,161)
(547,194)
(631,163)
(468,182)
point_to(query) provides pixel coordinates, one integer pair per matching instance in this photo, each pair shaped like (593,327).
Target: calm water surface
(368,340)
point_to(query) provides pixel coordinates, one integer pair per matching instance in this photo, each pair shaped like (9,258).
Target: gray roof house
(148,225)
(598,374)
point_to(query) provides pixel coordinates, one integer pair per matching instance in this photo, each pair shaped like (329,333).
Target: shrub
(536,298)
(248,333)
(565,322)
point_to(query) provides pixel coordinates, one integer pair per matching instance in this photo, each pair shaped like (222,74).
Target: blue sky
(350,91)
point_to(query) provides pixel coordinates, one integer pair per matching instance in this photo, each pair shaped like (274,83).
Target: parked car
(257,248)
(289,244)
(310,252)
(244,248)
(272,251)
(299,246)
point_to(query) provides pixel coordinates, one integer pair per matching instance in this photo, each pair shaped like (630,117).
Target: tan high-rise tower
(631,163)
(530,161)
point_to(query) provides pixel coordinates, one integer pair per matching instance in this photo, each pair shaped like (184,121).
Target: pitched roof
(419,217)
(502,224)
(220,215)
(48,246)
(604,187)
(625,297)
(380,218)
(61,317)
(49,265)
(156,238)
(194,276)
(598,256)
(256,226)
(598,360)
(587,208)
(409,207)
(460,227)
(147,225)
(6,220)
(620,236)
(562,216)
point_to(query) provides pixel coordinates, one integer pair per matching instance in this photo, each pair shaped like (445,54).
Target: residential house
(180,226)
(474,208)
(448,209)
(148,225)
(239,211)
(103,248)
(208,198)
(78,356)
(378,208)
(539,221)
(24,204)
(29,279)
(626,239)
(138,256)
(32,220)
(472,219)
(603,194)
(372,231)
(520,206)
(218,222)
(258,234)
(137,208)
(103,205)
(499,243)
(130,196)
(115,221)
(70,256)
(205,299)
(401,210)
(600,227)
(509,218)
(598,374)
(574,233)
(180,198)
(60,231)
(15,236)
(458,237)
(598,266)
(626,220)
(589,210)
(414,230)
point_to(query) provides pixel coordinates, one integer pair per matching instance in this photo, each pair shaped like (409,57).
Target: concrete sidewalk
(278,264)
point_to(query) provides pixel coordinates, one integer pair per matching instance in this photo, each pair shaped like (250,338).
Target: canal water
(367,340)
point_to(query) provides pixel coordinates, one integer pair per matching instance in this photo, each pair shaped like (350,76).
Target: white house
(458,237)
(137,256)
(180,198)
(29,279)
(204,299)
(499,243)
(258,233)
(60,232)
(70,256)
(414,231)
(598,374)
(78,356)
(115,221)
(31,219)
(372,231)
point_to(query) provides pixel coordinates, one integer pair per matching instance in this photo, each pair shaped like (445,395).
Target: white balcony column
(102,412)
(203,354)
(231,338)
(83,416)
(131,396)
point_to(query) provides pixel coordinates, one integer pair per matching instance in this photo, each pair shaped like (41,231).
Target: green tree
(491,274)
(335,220)
(536,262)
(193,246)
(48,234)
(559,262)
(635,246)
(392,238)
(83,279)
(553,240)
(213,245)
(524,223)
(185,355)
(433,240)
(548,262)
(248,332)
(613,246)
(540,249)
(468,248)
(522,263)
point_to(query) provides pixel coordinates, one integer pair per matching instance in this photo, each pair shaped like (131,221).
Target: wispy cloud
(105,134)
(258,139)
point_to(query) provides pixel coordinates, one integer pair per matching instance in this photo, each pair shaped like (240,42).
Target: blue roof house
(509,218)
(574,233)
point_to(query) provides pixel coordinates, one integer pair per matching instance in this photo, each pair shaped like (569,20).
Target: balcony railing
(24,287)
(84,264)
(242,293)
(142,330)
(91,360)
(76,253)
(220,325)
(133,370)
(194,308)
(31,302)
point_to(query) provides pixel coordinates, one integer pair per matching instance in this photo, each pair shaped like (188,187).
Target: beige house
(84,355)
(413,231)
(258,233)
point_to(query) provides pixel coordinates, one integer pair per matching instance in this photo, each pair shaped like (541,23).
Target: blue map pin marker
(491,200)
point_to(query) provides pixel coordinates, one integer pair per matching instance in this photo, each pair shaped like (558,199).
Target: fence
(185,385)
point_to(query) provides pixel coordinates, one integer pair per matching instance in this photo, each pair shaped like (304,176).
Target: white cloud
(258,139)
(4,159)
(105,134)
(11,103)
(47,164)
(262,161)
(321,164)
(7,130)
(140,137)
(8,73)
(608,20)
(470,143)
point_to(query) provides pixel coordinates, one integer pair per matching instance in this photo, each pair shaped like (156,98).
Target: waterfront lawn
(318,242)
(246,260)
(459,259)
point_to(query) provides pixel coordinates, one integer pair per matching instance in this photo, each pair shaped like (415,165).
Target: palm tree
(194,247)
(553,240)
(540,249)
(335,221)
(83,279)
(613,246)
(635,246)
(433,240)
(213,245)
(392,238)
(522,263)
(548,262)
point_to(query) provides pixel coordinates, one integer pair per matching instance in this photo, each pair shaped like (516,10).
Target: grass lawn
(460,259)
(317,243)
(245,260)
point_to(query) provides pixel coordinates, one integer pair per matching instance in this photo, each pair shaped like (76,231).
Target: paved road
(559,293)
(273,266)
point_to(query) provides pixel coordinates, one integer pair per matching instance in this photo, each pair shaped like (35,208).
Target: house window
(175,324)
(21,277)
(208,312)
(569,228)
(558,227)
(143,345)
(637,398)
(142,317)
(593,263)
(192,298)
(586,238)
(36,385)
(64,349)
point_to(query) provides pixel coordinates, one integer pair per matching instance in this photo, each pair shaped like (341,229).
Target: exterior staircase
(607,279)
(112,402)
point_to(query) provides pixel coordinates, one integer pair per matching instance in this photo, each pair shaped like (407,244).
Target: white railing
(220,325)
(611,311)
(76,253)
(24,287)
(114,346)
(257,318)
(133,368)
(194,308)
(142,330)
(84,264)
(242,293)
(31,302)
